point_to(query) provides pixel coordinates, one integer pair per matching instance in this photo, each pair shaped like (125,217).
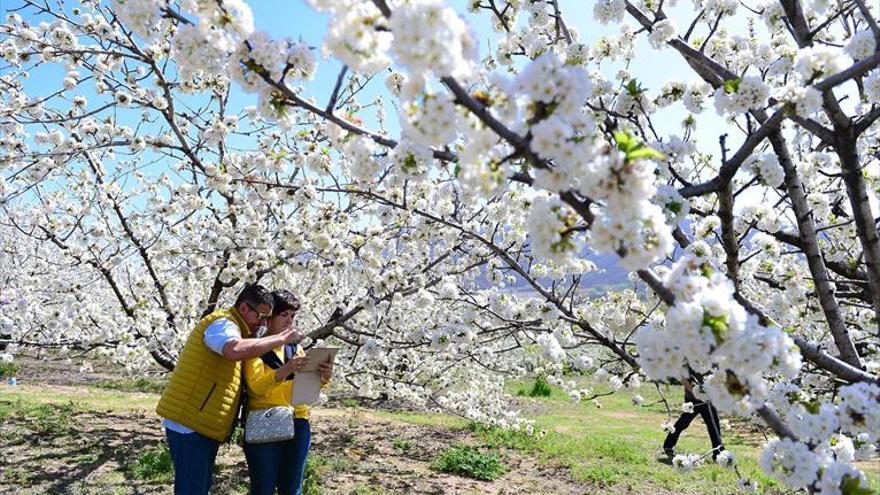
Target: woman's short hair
(284,300)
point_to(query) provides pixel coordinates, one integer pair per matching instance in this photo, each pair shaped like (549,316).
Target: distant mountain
(608,275)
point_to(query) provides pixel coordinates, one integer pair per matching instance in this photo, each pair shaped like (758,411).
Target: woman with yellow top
(270,382)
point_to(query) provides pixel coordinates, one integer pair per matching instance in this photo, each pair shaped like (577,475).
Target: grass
(317,468)
(8,370)
(402,445)
(312,477)
(94,399)
(539,389)
(469,461)
(422,419)
(370,490)
(152,465)
(617,447)
(143,385)
(55,418)
(618,444)
(16,476)
(614,448)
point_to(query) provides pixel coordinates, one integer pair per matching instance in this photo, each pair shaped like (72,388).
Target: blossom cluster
(708,332)
(430,37)
(353,38)
(740,96)
(767,167)
(554,93)
(551,226)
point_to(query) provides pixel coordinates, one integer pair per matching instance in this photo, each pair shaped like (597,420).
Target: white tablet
(307,382)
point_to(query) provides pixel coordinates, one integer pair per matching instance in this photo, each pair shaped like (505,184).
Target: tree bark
(807,229)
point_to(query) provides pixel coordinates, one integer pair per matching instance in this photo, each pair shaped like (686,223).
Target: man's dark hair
(284,300)
(255,295)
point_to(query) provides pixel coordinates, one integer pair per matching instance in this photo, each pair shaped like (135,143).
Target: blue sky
(296,19)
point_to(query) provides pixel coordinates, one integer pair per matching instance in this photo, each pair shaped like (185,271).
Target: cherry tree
(141,207)
(755,250)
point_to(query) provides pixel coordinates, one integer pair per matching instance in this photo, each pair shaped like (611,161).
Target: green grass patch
(539,389)
(152,465)
(15,476)
(143,385)
(495,437)
(402,445)
(8,408)
(369,490)
(8,370)
(469,461)
(40,418)
(93,399)
(423,419)
(617,446)
(237,437)
(316,468)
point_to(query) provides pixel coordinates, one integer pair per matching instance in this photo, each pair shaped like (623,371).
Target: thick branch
(815,261)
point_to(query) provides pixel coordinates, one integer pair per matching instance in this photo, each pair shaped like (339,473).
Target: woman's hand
(297,363)
(326,369)
(293,365)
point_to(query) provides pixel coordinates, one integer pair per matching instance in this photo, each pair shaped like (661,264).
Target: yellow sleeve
(259,377)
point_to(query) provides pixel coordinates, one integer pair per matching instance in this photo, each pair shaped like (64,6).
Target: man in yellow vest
(200,403)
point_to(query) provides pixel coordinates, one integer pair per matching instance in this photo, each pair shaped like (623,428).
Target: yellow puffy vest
(204,389)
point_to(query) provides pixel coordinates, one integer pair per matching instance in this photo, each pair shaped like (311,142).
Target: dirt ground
(91,451)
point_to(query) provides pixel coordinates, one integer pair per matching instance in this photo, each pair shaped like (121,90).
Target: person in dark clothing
(710,417)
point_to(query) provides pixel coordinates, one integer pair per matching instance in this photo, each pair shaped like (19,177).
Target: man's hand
(291,336)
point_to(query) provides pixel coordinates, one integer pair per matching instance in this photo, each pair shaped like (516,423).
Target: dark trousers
(710,417)
(279,465)
(193,456)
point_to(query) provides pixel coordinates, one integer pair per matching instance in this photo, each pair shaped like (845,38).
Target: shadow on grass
(58,448)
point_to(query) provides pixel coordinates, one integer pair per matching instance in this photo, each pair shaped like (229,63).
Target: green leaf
(732,85)
(634,88)
(853,486)
(718,325)
(633,149)
(812,407)
(625,142)
(644,153)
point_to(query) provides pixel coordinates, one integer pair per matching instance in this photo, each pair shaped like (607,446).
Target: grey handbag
(274,424)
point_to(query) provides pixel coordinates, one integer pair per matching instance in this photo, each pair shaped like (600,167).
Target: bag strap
(272,360)
(240,408)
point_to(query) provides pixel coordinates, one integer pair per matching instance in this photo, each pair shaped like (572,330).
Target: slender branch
(331,105)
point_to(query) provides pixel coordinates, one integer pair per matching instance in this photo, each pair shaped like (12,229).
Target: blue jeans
(279,465)
(193,455)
